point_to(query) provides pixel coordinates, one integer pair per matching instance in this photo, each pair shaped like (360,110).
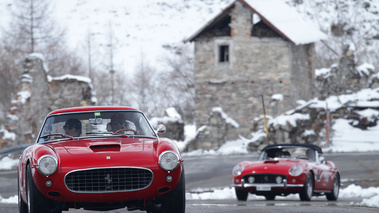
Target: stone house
(253,48)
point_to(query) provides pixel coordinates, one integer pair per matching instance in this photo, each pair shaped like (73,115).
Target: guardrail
(14,149)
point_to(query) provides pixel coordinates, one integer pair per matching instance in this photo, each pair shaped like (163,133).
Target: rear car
(284,169)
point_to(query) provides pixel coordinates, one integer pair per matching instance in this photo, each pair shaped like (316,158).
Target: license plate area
(264,188)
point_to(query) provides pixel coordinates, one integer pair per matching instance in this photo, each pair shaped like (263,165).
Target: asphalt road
(215,172)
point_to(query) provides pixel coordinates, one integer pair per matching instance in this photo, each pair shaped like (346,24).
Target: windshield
(95,124)
(303,153)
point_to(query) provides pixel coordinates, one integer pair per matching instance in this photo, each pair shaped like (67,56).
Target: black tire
(270,196)
(335,190)
(241,195)
(22,205)
(307,191)
(175,201)
(37,203)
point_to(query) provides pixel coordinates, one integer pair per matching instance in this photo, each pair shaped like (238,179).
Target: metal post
(264,115)
(112,76)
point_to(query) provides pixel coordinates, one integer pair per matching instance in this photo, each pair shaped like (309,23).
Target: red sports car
(285,169)
(100,158)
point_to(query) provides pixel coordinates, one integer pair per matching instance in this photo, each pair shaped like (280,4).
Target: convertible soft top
(311,146)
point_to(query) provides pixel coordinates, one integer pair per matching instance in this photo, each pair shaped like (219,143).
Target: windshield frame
(42,133)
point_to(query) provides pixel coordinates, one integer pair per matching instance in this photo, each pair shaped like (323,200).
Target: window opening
(224,53)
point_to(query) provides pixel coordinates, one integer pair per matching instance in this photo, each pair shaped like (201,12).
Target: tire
(241,195)
(175,201)
(22,205)
(270,196)
(37,203)
(335,190)
(307,191)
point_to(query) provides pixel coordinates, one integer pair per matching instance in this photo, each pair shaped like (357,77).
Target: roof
(311,146)
(91,108)
(282,18)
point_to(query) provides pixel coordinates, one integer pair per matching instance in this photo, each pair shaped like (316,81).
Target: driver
(310,154)
(73,127)
(117,122)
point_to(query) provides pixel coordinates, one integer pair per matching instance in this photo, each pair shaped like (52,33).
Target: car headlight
(47,165)
(295,170)
(237,170)
(168,160)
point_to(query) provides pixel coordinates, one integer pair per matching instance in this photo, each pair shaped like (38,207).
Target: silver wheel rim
(309,188)
(336,188)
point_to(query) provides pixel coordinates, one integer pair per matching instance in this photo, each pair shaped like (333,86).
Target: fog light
(251,179)
(293,180)
(169,178)
(48,183)
(279,179)
(237,180)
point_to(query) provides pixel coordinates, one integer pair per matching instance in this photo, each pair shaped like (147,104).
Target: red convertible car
(285,169)
(100,158)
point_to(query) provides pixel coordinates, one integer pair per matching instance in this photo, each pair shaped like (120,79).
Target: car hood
(87,146)
(105,152)
(271,166)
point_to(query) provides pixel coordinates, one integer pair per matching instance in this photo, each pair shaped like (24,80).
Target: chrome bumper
(272,185)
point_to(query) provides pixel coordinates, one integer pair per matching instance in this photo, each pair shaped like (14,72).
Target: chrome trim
(97,168)
(161,155)
(250,185)
(39,160)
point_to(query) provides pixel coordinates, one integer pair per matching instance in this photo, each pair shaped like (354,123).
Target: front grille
(108,180)
(263,178)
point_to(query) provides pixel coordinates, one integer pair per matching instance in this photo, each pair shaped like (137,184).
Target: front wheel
(37,203)
(22,205)
(175,201)
(241,195)
(270,196)
(307,191)
(335,191)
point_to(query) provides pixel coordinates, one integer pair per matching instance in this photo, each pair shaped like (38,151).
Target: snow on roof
(68,76)
(41,57)
(286,20)
(280,17)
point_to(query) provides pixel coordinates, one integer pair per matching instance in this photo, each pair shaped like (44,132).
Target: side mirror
(161,129)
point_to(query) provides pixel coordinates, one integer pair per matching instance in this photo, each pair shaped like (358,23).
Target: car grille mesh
(263,178)
(108,180)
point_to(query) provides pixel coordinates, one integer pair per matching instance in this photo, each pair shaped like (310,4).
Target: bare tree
(33,19)
(345,22)
(180,80)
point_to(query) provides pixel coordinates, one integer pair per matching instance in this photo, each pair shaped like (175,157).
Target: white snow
(68,76)
(7,163)
(370,195)
(225,116)
(288,21)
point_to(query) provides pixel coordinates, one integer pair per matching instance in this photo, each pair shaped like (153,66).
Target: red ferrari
(285,169)
(100,158)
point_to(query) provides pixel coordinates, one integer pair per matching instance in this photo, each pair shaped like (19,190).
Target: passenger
(73,127)
(117,122)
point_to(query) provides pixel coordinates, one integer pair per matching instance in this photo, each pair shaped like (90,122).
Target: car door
(323,175)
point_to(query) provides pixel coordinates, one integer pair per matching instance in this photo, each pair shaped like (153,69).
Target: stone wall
(258,66)
(307,123)
(218,129)
(37,95)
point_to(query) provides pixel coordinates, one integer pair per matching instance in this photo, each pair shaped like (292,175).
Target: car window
(303,153)
(95,124)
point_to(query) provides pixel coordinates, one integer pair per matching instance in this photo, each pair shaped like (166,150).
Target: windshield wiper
(57,134)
